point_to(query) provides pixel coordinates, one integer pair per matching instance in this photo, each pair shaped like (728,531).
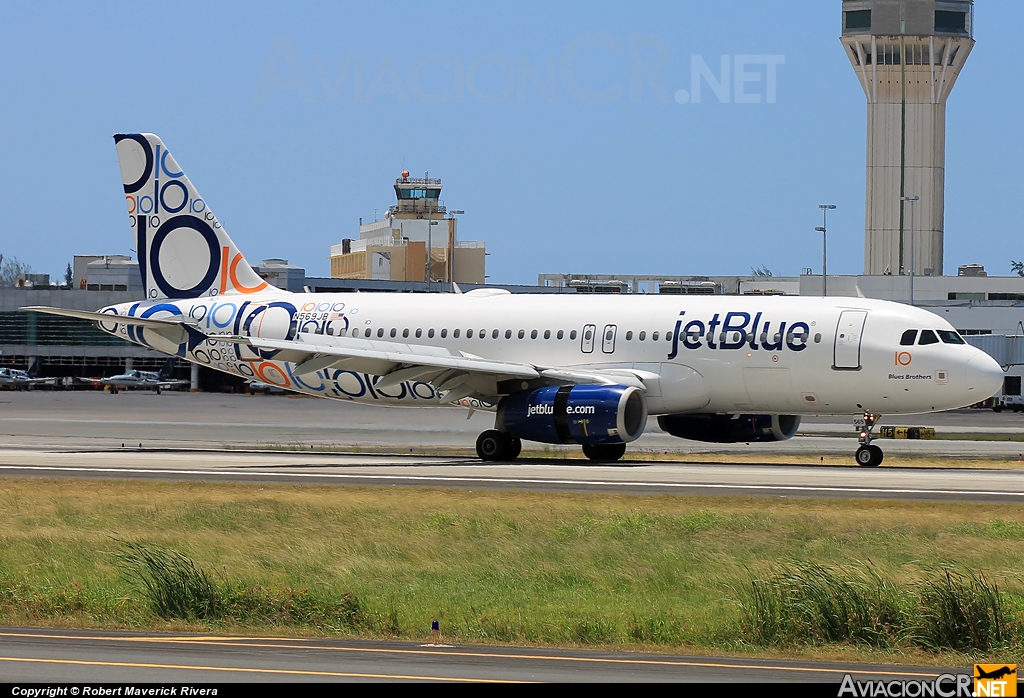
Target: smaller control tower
(417,240)
(907,55)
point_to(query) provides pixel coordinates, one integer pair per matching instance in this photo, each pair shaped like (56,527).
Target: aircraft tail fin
(183,250)
(33,370)
(166,370)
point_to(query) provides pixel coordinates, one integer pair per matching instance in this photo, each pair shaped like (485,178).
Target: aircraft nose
(984,376)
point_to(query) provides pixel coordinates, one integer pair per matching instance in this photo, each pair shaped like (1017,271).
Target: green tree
(69,276)
(1017,267)
(11,269)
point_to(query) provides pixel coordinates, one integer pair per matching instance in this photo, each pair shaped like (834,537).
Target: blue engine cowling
(730,428)
(581,414)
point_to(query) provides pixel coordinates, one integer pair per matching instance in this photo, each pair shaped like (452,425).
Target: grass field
(568,569)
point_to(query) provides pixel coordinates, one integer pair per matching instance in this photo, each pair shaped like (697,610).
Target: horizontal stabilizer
(110,317)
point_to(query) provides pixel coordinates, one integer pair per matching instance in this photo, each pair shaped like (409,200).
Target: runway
(81,656)
(234,438)
(923,484)
(98,420)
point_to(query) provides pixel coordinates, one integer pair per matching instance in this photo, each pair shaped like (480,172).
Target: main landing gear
(494,445)
(868,455)
(604,453)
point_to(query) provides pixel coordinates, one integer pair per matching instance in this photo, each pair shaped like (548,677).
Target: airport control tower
(907,55)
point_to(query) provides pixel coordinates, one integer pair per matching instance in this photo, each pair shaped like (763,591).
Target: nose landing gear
(868,455)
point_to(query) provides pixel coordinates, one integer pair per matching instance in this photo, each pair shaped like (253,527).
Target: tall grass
(962,611)
(177,588)
(800,603)
(174,585)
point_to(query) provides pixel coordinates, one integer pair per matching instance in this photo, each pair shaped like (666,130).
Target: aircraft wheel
(997,408)
(492,445)
(113,390)
(604,453)
(515,447)
(877,452)
(158,390)
(869,456)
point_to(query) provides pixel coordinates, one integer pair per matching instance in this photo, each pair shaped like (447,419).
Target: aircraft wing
(163,322)
(457,374)
(461,375)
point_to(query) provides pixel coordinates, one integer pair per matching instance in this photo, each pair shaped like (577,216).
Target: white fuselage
(722,354)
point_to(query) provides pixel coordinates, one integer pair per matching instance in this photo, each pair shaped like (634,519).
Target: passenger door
(587,339)
(849,333)
(608,339)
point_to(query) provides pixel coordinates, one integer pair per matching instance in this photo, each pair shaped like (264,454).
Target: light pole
(451,247)
(911,199)
(825,208)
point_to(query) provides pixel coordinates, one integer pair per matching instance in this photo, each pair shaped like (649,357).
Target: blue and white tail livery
(184,252)
(582,369)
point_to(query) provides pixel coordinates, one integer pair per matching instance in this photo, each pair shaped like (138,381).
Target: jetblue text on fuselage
(739,330)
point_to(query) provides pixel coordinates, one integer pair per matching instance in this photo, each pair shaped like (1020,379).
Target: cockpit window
(928,337)
(950,337)
(907,340)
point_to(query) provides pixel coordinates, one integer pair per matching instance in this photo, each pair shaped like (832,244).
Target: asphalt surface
(96,419)
(46,655)
(263,439)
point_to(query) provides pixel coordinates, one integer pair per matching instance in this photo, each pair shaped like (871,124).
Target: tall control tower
(907,55)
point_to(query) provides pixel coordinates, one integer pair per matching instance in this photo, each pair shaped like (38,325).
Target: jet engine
(730,428)
(582,414)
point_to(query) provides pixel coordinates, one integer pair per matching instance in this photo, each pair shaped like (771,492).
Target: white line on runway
(515,481)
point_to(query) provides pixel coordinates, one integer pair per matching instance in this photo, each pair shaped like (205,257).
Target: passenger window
(522,333)
(494,334)
(444,333)
(572,334)
(380,331)
(455,334)
(587,335)
(643,336)
(547,334)
(430,333)
(668,335)
(394,332)
(629,335)
(419,333)
(355,332)
(342,332)
(950,337)
(907,340)
(533,335)
(928,337)
(469,334)
(508,334)
(405,333)
(561,333)
(654,337)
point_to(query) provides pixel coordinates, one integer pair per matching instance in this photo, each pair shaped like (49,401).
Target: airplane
(143,380)
(566,369)
(997,674)
(15,378)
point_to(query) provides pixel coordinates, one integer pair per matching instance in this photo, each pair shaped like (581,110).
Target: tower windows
(859,19)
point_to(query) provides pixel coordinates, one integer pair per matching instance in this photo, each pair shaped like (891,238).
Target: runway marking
(251,670)
(256,643)
(514,481)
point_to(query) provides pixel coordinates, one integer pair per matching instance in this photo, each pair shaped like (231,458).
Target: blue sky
(293,120)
